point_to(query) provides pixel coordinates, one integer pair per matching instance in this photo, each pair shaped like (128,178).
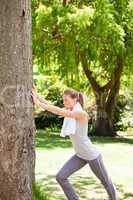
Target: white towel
(69,124)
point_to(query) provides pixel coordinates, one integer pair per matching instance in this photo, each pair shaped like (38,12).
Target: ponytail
(80,99)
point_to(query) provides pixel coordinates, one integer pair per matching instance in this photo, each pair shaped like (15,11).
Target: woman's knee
(59,177)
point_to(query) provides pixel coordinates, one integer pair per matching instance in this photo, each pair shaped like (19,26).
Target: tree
(95,36)
(17,148)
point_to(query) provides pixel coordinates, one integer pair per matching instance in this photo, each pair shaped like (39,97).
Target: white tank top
(82,143)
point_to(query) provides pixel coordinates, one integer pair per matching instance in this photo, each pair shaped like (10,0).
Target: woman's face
(68,101)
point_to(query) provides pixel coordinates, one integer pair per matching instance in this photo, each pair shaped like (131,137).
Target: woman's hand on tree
(35,99)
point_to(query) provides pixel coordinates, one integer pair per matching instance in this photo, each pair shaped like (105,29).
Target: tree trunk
(64,2)
(104,127)
(17,146)
(104,118)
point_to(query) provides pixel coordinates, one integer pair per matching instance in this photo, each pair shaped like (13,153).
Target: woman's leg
(100,171)
(72,165)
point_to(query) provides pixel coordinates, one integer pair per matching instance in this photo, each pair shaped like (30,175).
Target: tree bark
(17,128)
(104,117)
(64,2)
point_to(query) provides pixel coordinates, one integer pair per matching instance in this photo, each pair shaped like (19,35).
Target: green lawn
(53,151)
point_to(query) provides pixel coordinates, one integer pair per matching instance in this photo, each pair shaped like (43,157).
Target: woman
(85,151)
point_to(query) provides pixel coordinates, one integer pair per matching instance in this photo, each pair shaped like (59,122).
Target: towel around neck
(69,124)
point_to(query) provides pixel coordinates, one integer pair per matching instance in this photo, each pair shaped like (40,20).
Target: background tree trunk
(17,146)
(104,117)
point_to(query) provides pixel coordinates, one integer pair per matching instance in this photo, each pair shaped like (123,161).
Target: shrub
(46,119)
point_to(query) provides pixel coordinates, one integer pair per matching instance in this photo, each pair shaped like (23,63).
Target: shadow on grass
(53,140)
(110,140)
(87,188)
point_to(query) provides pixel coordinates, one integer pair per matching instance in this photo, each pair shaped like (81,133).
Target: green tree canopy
(93,37)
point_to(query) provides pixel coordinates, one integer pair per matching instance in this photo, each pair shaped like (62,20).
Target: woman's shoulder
(85,113)
(85,119)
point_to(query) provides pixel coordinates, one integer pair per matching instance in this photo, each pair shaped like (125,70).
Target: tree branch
(64,2)
(115,84)
(108,86)
(88,73)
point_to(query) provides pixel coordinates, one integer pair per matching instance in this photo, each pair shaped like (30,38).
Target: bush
(123,114)
(119,114)
(46,119)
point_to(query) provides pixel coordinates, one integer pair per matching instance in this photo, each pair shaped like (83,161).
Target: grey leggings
(74,164)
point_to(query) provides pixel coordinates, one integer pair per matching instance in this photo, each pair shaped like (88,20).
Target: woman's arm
(79,115)
(41,99)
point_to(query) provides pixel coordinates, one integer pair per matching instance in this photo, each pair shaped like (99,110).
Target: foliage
(46,119)
(119,114)
(37,193)
(124,113)
(99,29)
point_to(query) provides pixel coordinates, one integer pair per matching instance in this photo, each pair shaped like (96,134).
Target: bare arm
(41,99)
(79,115)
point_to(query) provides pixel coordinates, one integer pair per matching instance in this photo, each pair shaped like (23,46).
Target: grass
(38,193)
(52,152)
